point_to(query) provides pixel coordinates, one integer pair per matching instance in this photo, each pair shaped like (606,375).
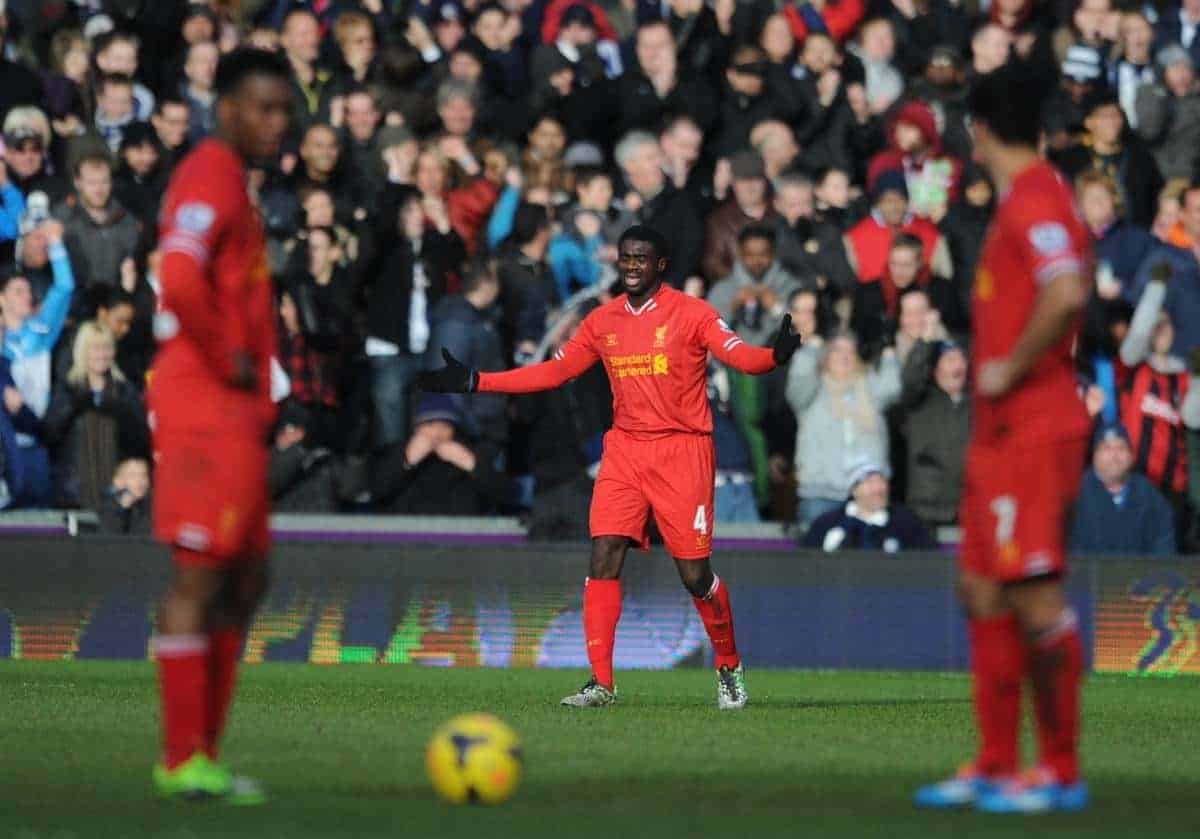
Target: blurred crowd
(457,175)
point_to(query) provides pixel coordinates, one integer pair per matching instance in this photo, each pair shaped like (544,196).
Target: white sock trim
(716,583)
(172,646)
(1066,623)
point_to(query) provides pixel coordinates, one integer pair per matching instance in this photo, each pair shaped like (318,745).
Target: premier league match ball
(474,759)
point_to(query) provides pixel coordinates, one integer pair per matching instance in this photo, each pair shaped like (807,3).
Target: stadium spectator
(1155,384)
(753,300)
(915,148)
(868,521)
(1119,510)
(27,140)
(1133,65)
(750,204)
(527,288)
(1107,146)
(1178,26)
(95,420)
(839,407)
(116,53)
(657,203)
(735,498)
(300,39)
(653,89)
(893,309)
(936,425)
(1183,299)
(404,288)
(115,108)
(98,232)
(466,326)
(171,120)
(24,462)
(196,89)
(1169,113)
(441,470)
(565,428)
(125,509)
(810,249)
(140,180)
(869,242)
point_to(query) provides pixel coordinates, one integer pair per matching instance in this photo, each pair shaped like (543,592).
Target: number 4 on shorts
(701,521)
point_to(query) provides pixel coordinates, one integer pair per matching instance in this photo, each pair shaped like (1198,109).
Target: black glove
(1162,273)
(455,377)
(786,342)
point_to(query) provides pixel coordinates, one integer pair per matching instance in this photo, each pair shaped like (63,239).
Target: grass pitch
(340,748)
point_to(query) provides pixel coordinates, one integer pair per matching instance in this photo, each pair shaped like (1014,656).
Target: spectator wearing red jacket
(869,241)
(835,18)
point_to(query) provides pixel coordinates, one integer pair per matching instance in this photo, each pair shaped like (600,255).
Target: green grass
(818,754)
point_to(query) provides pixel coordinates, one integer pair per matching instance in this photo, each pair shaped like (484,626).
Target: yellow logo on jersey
(261,272)
(638,364)
(610,340)
(984,286)
(228,521)
(660,336)
(1010,554)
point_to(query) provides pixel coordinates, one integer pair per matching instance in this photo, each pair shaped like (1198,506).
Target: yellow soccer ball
(474,759)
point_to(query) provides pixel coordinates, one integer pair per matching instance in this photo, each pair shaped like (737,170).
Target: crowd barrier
(519,606)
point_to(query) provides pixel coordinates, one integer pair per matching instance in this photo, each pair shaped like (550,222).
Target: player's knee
(979,596)
(608,555)
(696,576)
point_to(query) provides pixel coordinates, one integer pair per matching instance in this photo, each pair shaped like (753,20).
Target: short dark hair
(93,157)
(642,233)
(907,240)
(244,62)
(115,296)
(114,80)
(528,221)
(9,279)
(584,175)
(756,231)
(478,272)
(992,97)
(165,102)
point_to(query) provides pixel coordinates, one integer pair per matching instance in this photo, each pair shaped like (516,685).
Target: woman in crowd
(839,405)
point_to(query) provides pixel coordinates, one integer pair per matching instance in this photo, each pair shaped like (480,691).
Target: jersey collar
(649,306)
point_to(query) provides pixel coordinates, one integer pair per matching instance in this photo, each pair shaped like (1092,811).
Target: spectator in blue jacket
(1183,297)
(24,469)
(1120,511)
(868,521)
(29,335)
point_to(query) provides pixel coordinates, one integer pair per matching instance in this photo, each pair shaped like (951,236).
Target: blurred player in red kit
(1023,467)
(211,412)
(654,343)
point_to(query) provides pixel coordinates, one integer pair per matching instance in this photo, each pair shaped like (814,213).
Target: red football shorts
(211,496)
(671,476)
(1015,507)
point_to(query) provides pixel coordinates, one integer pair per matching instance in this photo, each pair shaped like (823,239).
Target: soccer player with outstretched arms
(654,343)
(211,412)
(1023,466)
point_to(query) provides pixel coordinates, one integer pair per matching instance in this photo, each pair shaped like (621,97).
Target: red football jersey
(656,357)
(1036,236)
(216,301)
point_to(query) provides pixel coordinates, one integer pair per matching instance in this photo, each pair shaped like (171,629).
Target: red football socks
(718,622)
(224,651)
(1056,669)
(184,684)
(601,611)
(997,665)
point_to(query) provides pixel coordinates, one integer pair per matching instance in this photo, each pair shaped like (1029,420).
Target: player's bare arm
(1056,313)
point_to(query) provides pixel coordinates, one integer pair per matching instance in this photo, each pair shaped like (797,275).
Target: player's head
(996,124)
(641,259)
(254,100)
